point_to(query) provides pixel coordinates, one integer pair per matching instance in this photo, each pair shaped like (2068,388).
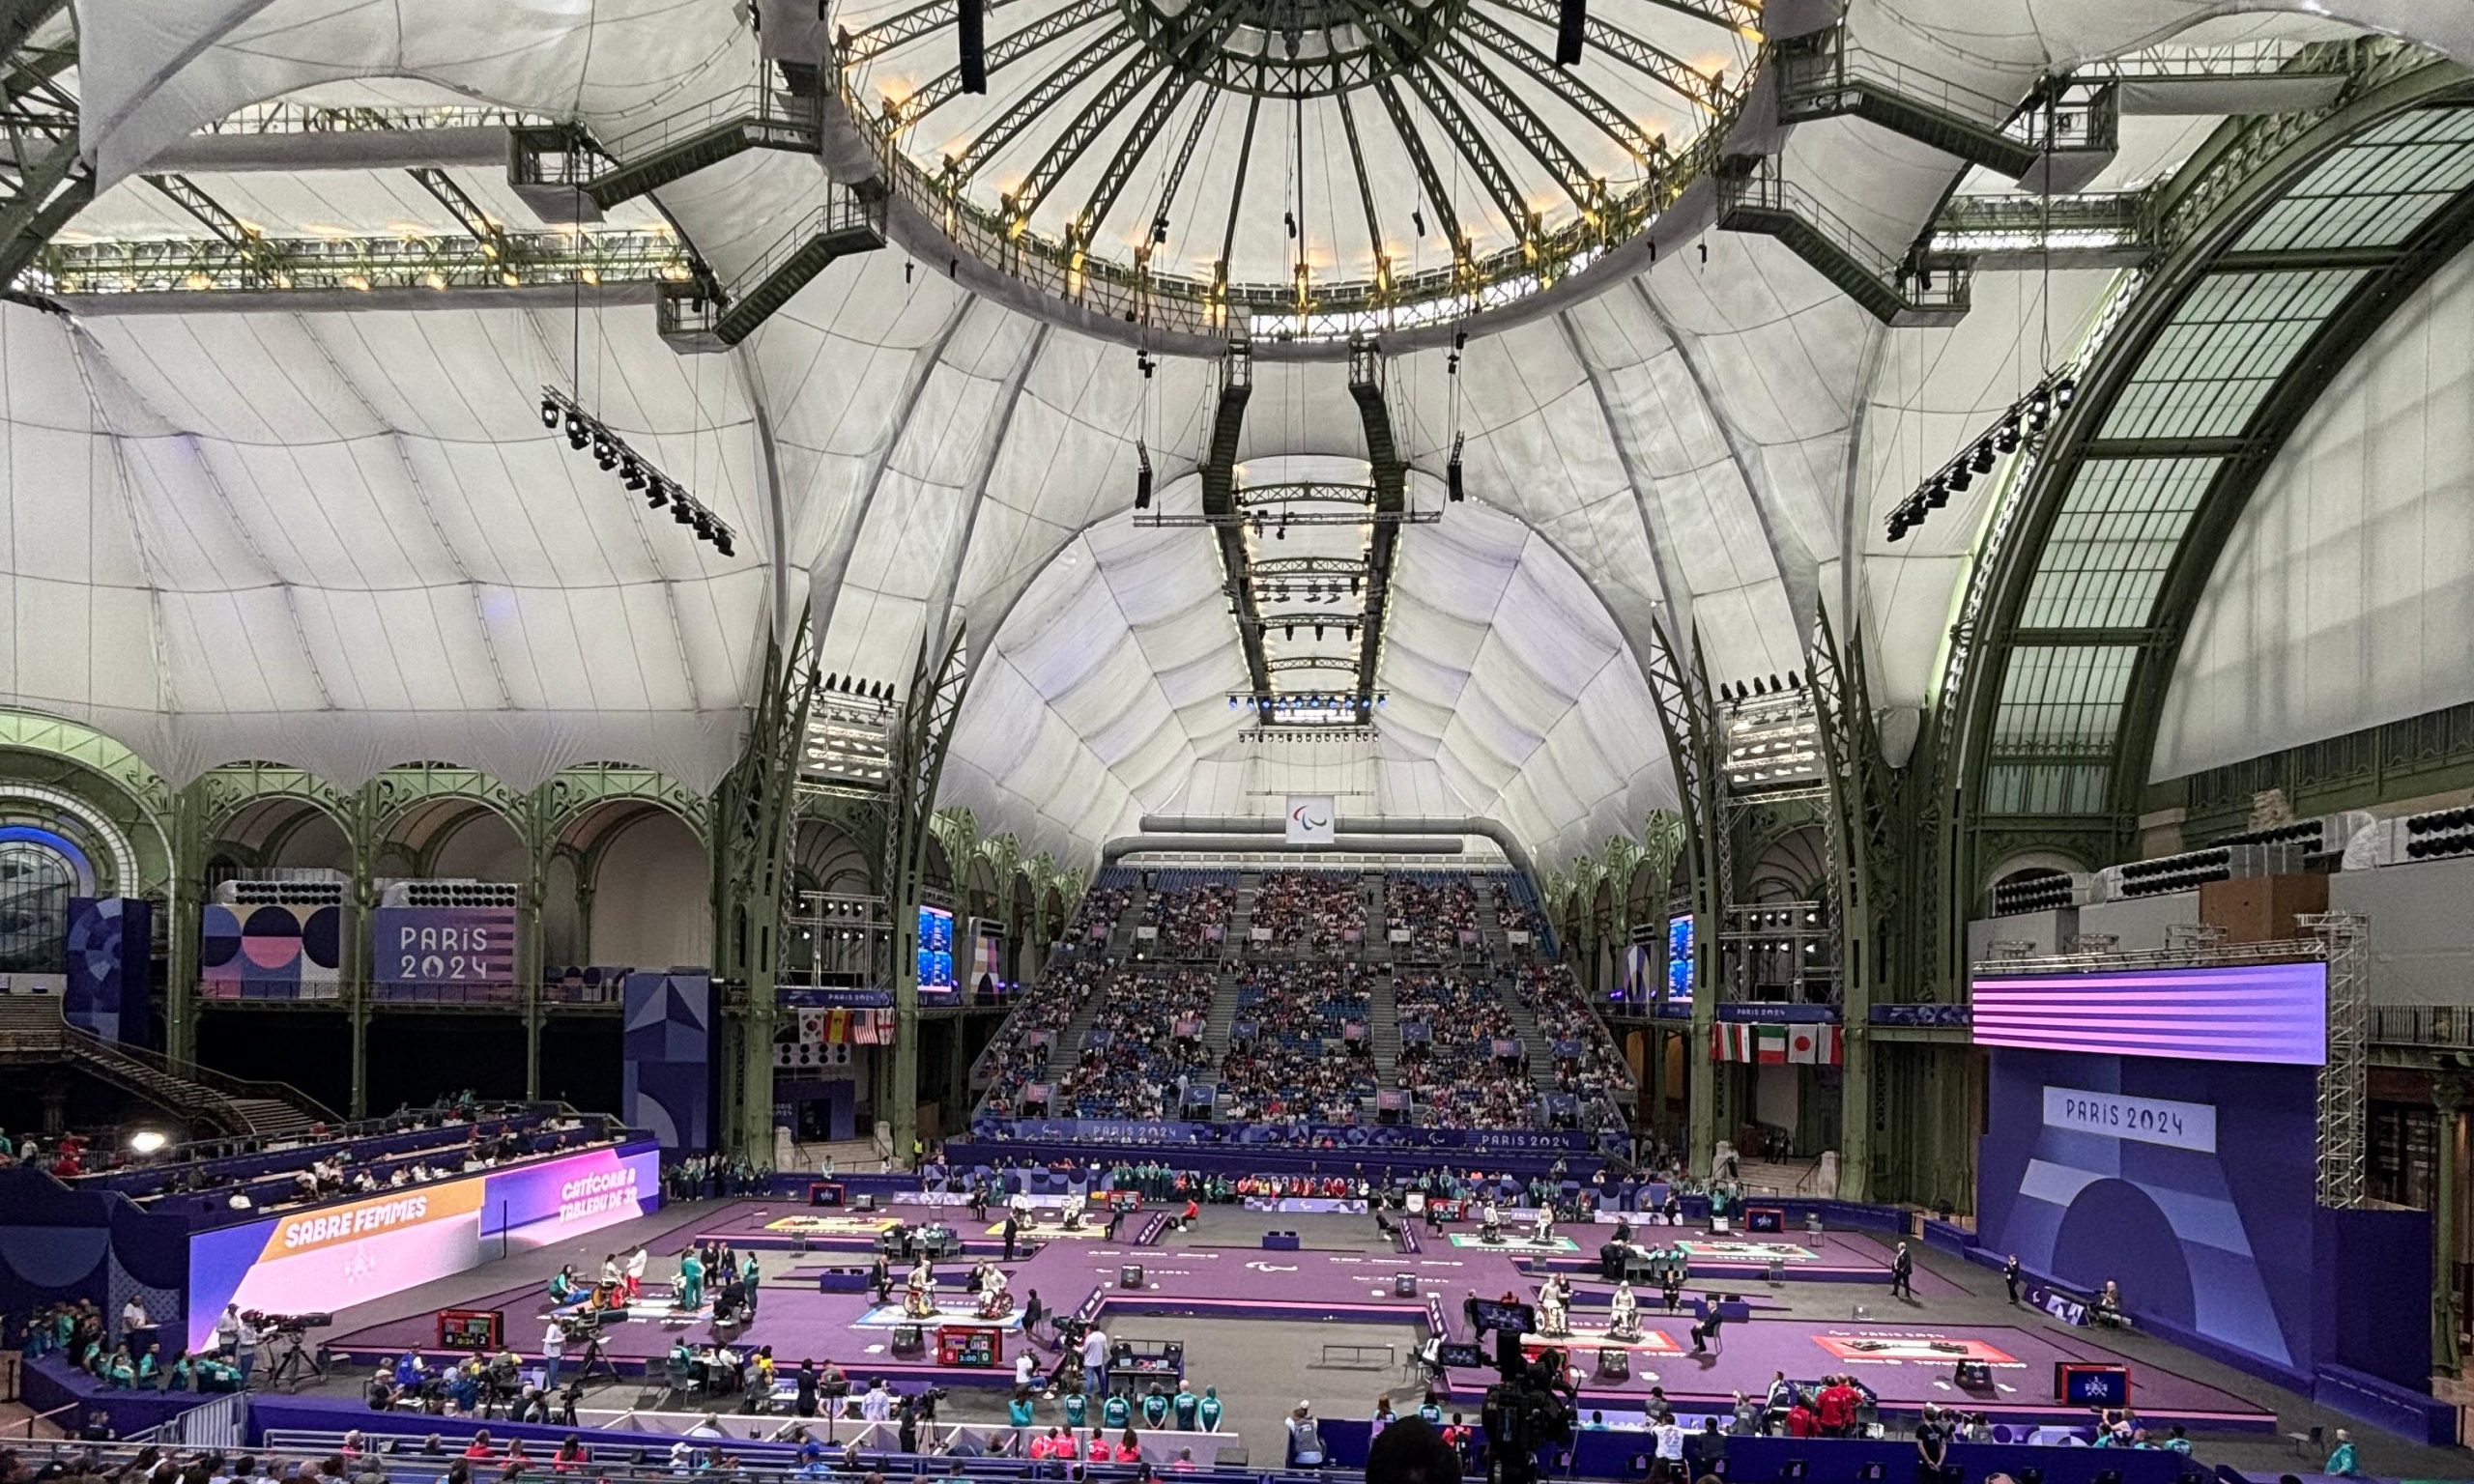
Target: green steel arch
(2290,239)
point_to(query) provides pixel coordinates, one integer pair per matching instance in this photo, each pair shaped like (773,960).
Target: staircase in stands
(33,1032)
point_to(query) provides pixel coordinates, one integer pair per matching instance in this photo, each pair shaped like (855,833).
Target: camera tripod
(295,1362)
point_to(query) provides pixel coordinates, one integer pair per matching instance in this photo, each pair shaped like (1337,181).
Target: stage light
(147,1141)
(2063,390)
(631,473)
(1960,477)
(2006,440)
(1937,494)
(577,436)
(656,494)
(549,412)
(1984,458)
(683,512)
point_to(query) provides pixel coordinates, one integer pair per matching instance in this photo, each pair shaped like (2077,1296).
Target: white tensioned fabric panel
(1997,48)
(151,71)
(2344,598)
(353,544)
(1109,680)
(1504,668)
(1932,390)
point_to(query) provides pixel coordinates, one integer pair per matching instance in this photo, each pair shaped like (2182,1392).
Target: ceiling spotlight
(1984,458)
(631,473)
(1937,493)
(2006,440)
(1961,476)
(577,436)
(549,411)
(1289,631)
(2063,390)
(656,494)
(683,512)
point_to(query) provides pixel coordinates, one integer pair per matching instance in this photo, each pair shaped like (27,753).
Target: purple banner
(2250,1012)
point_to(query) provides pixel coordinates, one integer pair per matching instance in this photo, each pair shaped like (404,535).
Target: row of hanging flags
(853,1027)
(1815,1044)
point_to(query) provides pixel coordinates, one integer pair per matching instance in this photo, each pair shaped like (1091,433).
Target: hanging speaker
(1143,488)
(970,23)
(1570,24)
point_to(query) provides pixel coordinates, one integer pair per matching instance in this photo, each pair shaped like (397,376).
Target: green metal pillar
(923,729)
(529,951)
(2448,1100)
(183,901)
(362,834)
(754,814)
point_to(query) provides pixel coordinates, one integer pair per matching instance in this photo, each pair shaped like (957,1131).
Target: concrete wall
(2421,929)
(2141,922)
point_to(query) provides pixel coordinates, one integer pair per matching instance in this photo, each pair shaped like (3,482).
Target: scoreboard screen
(474,1329)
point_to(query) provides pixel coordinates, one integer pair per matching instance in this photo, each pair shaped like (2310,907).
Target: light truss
(355,263)
(293,117)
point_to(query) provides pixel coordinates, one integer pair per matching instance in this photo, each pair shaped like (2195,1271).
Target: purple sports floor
(1905,1364)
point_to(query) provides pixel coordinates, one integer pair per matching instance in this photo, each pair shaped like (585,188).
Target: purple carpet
(1899,1360)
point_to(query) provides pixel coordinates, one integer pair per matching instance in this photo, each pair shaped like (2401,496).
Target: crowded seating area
(1099,912)
(1299,1048)
(1430,916)
(1308,912)
(1026,1045)
(1554,997)
(1188,912)
(1145,1037)
(1517,907)
(1448,1062)
(408,1146)
(1480,1042)
(1450,1024)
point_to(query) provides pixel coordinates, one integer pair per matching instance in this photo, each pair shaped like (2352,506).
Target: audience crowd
(1287,1070)
(1311,911)
(1190,916)
(1453,1075)
(1144,1040)
(1439,913)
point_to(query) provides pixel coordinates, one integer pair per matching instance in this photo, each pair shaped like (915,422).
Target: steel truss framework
(2056,674)
(1449,62)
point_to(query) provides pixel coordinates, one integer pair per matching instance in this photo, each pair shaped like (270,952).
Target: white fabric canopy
(344,539)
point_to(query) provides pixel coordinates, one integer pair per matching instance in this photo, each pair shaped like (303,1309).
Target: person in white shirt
(1095,1364)
(227,1328)
(1304,1439)
(1670,1446)
(876,1405)
(133,1315)
(636,1262)
(1624,1313)
(1025,1368)
(554,1348)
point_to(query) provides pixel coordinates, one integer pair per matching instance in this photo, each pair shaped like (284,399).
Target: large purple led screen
(2273,1013)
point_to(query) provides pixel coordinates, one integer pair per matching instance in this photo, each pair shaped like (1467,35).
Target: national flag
(1769,1043)
(1803,1042)
(837,1025)
(1834,1045)
(1730,1042)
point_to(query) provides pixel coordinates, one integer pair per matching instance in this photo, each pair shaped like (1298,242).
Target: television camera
(1530,1406)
